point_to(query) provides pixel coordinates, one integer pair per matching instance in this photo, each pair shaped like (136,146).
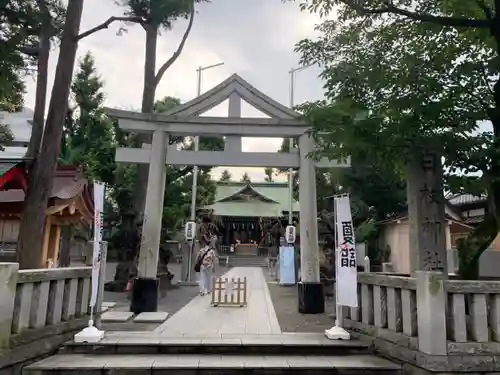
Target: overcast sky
(254,38)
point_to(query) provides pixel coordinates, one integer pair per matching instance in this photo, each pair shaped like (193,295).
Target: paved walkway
(199,318)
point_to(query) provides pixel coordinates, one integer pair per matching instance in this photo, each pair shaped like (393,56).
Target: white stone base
(116,316)
(89,334)
(151,317)
(337,333)
(108,304)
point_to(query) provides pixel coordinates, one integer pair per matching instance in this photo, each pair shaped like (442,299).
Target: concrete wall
(396,236)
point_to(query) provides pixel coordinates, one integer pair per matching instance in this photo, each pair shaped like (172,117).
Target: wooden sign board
(229,291)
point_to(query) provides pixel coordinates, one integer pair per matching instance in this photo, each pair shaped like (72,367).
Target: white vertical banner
(96,253)
(346,265)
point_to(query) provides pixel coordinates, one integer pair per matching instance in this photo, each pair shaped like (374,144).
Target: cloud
(253,38)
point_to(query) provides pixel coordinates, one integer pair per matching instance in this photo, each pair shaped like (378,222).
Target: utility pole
(197,142)
(194,188)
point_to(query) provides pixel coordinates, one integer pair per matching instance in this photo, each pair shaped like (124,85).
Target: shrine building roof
(261,199)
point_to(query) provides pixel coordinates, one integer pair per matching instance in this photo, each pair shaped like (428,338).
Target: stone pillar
(145,288)
(431,317)
(8,284)
(426,213)
(311,297)
(233,142)
(189,251)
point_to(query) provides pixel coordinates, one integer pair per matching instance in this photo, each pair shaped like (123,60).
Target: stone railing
(473,324)
(428,322)
(42,305)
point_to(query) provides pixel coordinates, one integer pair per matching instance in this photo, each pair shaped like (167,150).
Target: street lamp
(195,172)
(197,143)
(290,141)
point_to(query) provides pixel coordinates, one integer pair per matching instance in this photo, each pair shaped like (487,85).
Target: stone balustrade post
(8,285)
(366,264)
(431,316)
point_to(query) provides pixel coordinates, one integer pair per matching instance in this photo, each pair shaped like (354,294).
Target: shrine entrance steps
(237,260)
(148,354)
(200,339)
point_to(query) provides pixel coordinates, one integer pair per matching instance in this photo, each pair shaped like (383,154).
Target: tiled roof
(276,192)
(19,124)
(461,199)
(474,219)
(68,183)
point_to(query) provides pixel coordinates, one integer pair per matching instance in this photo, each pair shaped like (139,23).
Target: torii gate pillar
(310,289)
(145,286)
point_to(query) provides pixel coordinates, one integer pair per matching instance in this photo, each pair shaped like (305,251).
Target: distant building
(463,213)
(20,124)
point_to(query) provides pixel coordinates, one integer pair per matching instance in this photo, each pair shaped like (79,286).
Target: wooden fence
(229,291)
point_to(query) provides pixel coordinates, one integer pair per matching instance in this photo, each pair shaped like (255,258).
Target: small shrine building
(246,209)
(70,203)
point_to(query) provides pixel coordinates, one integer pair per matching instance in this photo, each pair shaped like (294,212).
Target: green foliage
(376,186)
(396,85)
(5,136)
(89,134)
(21,24)
(158,12)
(430,91)
(269,172)
(166,104)
(225,176)
(456,13)
(245,178)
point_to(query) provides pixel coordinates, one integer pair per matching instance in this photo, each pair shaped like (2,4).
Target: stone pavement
(176,299)
(199,318)
(285,300)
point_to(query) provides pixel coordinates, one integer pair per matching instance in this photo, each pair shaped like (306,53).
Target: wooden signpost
(229,292)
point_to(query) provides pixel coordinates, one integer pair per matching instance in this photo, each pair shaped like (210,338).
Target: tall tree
(41,177)
(27,28)
(88,139)
(245,178)
(452,87)
(20,22)
(156,14)
(51,13)
(152,16)
(269,172)
(225,176)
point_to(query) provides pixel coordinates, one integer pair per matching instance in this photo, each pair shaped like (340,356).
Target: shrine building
(71,202)
(246,209)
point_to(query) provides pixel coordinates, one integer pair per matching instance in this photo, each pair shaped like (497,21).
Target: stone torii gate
(184,120)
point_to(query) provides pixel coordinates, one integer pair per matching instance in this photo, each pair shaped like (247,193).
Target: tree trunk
(41,83)
(148,101)
(426,213)
(29,252)
(494,191)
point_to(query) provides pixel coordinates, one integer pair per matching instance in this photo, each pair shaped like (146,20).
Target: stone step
(141,364)
(247,261)
(292,344)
